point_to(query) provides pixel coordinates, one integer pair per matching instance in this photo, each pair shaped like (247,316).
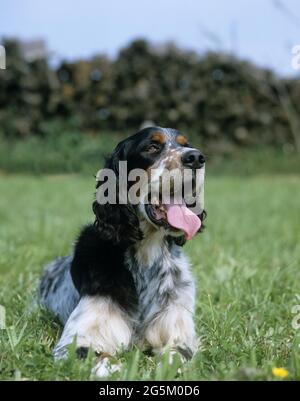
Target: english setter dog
(127,280)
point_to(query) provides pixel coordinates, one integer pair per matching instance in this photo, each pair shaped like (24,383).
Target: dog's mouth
(175,216)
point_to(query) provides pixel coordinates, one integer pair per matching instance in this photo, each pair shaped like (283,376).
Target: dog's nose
(193,159)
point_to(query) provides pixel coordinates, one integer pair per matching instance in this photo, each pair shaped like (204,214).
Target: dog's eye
(153,148)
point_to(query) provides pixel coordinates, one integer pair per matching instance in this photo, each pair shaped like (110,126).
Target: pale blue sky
(253,29)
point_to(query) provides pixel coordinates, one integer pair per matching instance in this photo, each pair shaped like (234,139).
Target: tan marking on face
(181,140)
(159,137)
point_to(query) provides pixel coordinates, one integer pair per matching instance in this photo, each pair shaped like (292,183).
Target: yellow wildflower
(280,372)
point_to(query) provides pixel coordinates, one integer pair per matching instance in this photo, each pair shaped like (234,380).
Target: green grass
(63,151)
(246,263)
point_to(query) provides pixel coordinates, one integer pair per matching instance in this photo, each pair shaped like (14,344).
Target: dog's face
(157,151)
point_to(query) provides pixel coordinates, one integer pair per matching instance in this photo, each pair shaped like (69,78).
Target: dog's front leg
(97,322)
(172,329)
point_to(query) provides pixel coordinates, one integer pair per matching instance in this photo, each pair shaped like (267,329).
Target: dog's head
(165,174)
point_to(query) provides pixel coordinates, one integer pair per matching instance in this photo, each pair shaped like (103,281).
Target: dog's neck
(152,246)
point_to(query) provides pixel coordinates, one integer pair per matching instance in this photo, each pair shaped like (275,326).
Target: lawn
(246,263)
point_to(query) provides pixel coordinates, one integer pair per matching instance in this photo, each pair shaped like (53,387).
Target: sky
(263,31)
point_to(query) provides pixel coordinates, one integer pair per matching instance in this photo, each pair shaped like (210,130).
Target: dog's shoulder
(98,268)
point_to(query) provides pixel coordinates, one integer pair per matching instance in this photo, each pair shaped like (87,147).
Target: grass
(65,151)
(246,264)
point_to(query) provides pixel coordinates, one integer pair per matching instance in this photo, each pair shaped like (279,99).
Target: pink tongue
(179,216)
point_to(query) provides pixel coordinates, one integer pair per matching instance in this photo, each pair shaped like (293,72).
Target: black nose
(193,159)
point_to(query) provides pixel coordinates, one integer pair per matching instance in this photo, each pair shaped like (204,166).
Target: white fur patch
(173,327)
(150,248)
(96,322)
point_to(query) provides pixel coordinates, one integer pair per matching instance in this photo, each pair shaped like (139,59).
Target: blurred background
(80,77)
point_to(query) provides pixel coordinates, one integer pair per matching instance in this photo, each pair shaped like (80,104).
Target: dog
(128,281)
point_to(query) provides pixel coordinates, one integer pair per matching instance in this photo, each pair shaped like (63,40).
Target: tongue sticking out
(179,216)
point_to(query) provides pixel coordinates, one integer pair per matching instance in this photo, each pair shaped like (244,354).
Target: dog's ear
(117,223)
(118,154)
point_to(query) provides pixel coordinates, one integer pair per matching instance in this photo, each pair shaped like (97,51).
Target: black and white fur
(127,281)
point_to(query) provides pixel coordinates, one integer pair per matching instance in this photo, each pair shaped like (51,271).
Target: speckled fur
(128,280)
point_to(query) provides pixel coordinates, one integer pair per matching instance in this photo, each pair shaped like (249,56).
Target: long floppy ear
(118,154)
(117,222)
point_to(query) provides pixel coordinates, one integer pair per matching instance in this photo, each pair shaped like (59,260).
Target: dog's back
(57,292)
